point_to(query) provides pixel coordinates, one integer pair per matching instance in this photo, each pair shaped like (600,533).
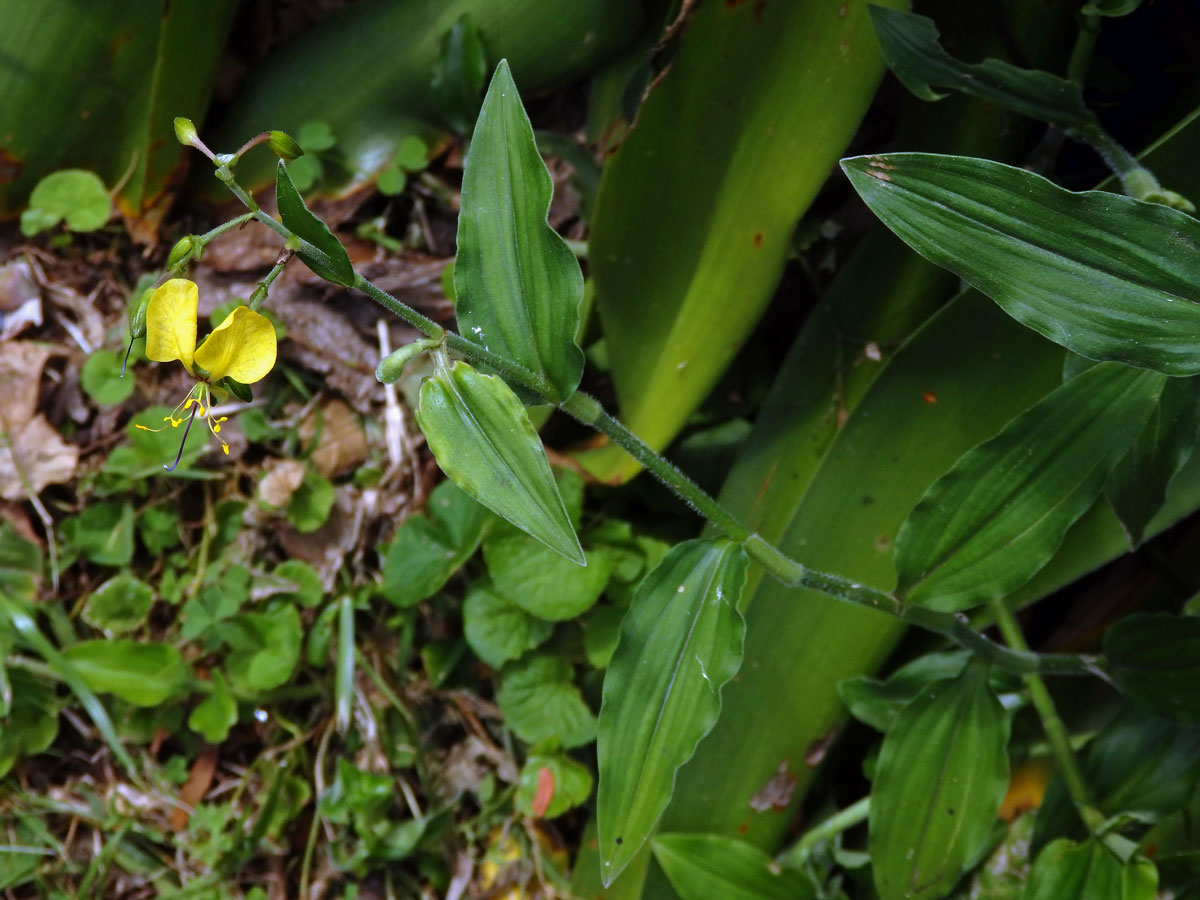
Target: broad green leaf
(601,629)
(101,378)
(941,775)
(460,74)
(496,628)
(74,196)
(321,252)
(697,206)
(1137,487)
(879,703)
(483,440)
(987,526)
(540,703)
(680,642)
(1154,658)
(1137,762)
(119,605)
(312,502)
(706,866)
(20,563)
(304,584)
(143,674)
(517,285)
(265,648)
(569,784)
(539,580)
(1106,276)
(1066,869)
(158,527)
(910,45)
(215,714)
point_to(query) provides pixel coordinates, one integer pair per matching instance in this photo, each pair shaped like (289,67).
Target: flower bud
(137,315)
(284,146)
(391,367)
(185,132)
(183,250)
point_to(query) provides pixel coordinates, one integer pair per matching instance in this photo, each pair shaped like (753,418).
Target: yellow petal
(171,322)
(242,347)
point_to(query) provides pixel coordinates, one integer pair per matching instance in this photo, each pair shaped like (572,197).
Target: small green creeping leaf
(540,703)
(942,773)
(119,605)
(32,723)
(540,581)
(680,642)
(989,524)
(101,379)
(570,784)
(217,713)
(323,253)
(703,866)
(1154,659)
(910,44)
(140,673)
(1106,276)
(483,440)
(518,285)
(1137,487)
(265,648)
(74,195)
(497,629)
(1066,869)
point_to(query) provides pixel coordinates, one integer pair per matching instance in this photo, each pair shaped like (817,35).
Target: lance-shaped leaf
(941,776)
(1066,869)
(703,866)
(989,524)
(910,45)
(1155,661)
(482,438)
(1104,275)
(321,251)
(517,284)
(1137,487)
(680,642)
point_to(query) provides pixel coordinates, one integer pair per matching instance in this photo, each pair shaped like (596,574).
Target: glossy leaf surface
(696,209)
(483,440)
(1106,276)
(703,866)
(993,520)
(911,46)
(680,642)
(942,772)
(517,285)
(1154,658)
(324,254)
(1065,869)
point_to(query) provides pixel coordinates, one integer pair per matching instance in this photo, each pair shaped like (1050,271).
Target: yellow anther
(225,447)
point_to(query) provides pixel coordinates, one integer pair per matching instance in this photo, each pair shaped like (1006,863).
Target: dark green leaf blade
(1154,658)
(680,642)
(1065,869)
(322,252)
(942,773)
(913,52)
(1137,487)
(702,866)
(991,522)
(482,438)
(518,286)
(1106,276)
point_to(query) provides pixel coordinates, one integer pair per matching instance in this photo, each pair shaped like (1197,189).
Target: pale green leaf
(140,673)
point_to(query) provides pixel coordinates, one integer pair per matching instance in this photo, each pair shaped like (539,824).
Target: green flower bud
(185,132)
(391,367)
(183,250)
(137,316)
(284,146)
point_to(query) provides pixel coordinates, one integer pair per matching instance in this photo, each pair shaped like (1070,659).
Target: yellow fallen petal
(171,322)
(242,347)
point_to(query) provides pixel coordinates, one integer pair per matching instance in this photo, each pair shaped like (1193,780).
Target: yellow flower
(242,347)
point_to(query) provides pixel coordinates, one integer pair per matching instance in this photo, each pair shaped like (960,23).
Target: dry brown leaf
(34,452)
(281,481)
(21,365)
(342,443)
(199,780)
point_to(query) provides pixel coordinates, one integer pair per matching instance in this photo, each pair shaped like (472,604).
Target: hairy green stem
(588,410)
(796,856)
(1052,724)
